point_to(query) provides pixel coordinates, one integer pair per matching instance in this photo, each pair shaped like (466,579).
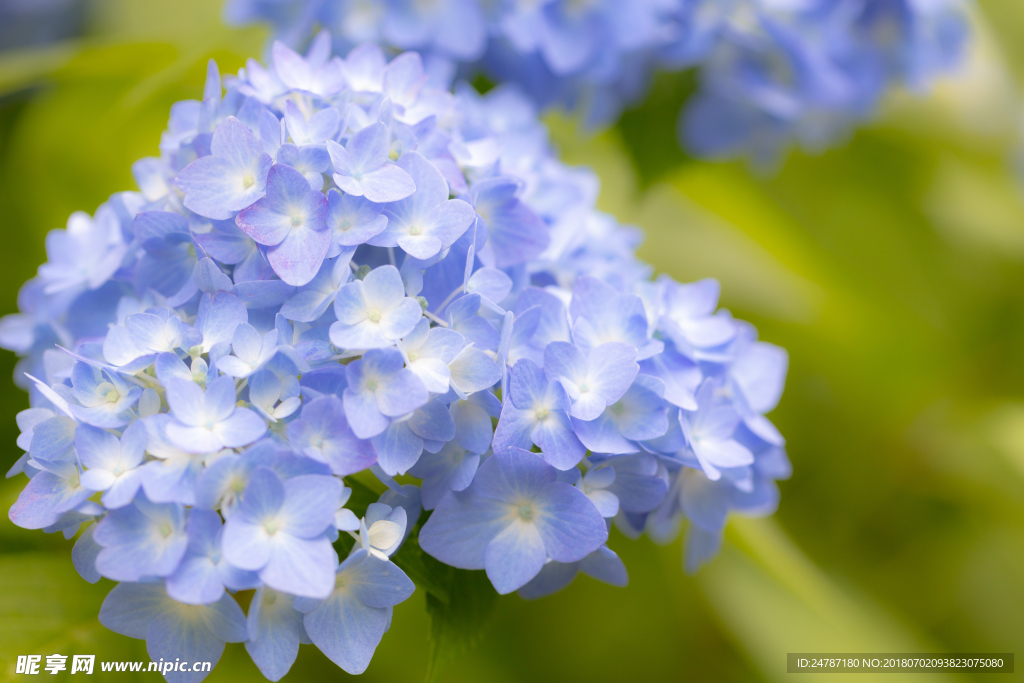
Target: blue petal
(514,556)
(275,630)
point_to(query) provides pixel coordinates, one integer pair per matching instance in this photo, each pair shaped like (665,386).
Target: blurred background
(891,268)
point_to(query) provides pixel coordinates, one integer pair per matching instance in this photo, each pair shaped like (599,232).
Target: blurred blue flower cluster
(772,72)
(335,269)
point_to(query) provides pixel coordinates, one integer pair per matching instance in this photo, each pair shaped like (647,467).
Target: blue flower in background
(336,269)
(772,74)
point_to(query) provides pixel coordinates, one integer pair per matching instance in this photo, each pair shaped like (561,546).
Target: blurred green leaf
(22,68)
(773,600)
(648,130)
(46,608)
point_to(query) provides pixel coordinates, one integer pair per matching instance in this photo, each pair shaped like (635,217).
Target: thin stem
(391,256)
(437,320)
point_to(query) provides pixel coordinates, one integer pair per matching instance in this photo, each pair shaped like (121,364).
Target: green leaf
(421,568)
(459,602)
(363,494)
(457,624)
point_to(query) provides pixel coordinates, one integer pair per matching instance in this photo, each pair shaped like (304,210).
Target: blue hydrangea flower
(380,387)
(593,381)
(272,325)
(323,434)
(537,413)
(353,220)
(278,532)
(274,630)
(231,178)
(374,312)
(207,421)
(204,572)
(290,221)
(362,168)
(427,221)
(142,539)
(602,564)
(514,516)
(85,255)
(111,463)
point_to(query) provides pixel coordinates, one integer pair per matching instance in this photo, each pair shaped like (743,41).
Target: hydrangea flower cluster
(334,271)
(773,72)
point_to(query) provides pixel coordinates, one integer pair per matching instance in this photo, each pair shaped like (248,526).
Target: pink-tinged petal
(389,183)
(264,224)
(297,259)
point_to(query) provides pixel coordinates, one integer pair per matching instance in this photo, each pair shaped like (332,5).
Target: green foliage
(459,603)
(365,490)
